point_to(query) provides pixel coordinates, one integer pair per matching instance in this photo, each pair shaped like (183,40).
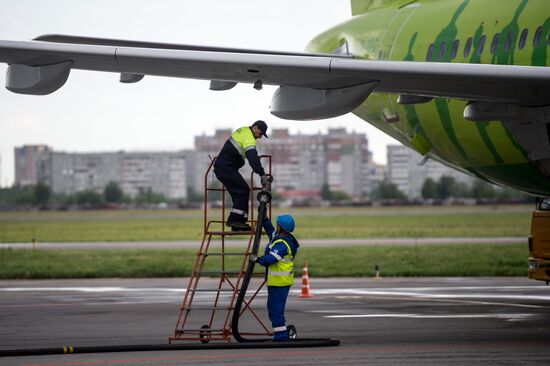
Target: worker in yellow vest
(279,259)
(240,146)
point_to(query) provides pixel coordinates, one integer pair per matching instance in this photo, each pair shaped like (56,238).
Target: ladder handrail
(223,190)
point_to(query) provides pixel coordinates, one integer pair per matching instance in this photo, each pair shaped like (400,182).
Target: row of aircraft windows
(481,45)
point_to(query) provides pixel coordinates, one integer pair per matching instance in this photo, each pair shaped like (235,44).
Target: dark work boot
(240,226)
(237,223)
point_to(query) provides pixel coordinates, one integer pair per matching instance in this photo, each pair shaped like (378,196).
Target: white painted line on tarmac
(429,295)
(509,317)
(497,293)
(90,289)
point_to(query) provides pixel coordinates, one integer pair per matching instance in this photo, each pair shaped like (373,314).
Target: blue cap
(286,222)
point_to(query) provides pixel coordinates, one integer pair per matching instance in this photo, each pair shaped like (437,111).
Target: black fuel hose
(264,197)
(166,347)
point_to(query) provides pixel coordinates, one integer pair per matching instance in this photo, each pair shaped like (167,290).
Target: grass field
(370,222)
(439,260)
(433,260)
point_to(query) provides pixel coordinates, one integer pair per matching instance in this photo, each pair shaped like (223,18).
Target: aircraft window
(442,50)
(508,43)
(481,45)
(430,51)
(468,47)
(523,38)
(494,44)
(536,39)
(454,50)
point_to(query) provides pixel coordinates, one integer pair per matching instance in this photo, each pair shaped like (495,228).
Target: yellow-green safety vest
(243,140)
(281,272)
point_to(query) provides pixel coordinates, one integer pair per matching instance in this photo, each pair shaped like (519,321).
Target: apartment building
(165,173)
(32,164)
(408,174)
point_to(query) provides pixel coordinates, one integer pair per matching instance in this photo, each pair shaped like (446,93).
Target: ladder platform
(230,233)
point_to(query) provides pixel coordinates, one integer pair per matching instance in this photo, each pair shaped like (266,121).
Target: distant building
(399,158)
(374,174)
(405,172)
(32,165)
(300,163)
(159,172)
(135,172)
(165,173)
(207,147)
(348,161)
(75,172)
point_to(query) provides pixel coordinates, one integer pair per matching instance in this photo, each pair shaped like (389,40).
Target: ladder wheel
(205,335)
(292,334)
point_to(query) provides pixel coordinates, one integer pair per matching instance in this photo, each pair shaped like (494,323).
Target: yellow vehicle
(539,242)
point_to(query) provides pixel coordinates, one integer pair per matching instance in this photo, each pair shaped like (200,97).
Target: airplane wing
(312,86)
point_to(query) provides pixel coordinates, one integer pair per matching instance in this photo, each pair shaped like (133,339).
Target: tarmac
(384,321)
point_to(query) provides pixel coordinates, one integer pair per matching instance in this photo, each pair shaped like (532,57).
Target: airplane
(463,82)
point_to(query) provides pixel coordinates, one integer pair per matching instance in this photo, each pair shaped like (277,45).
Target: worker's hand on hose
(253,258)
(266,179)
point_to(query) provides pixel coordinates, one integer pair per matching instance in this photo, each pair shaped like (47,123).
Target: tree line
(447,187)
(41,196)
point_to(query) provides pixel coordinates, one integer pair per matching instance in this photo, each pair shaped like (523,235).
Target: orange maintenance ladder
(206,311)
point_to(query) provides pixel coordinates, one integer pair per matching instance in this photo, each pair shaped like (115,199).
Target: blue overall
(277,295)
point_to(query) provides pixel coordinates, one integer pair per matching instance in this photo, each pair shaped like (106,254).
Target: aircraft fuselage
(515,32)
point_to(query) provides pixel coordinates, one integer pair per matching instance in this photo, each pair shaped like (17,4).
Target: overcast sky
(94,112)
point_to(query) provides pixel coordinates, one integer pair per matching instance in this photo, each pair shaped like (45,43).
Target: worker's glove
(266,179)
(253,258)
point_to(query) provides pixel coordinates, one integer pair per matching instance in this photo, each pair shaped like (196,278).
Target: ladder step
(219,273)
(216,273)
(209,308)
(210,290)
(211,331)
(222,254)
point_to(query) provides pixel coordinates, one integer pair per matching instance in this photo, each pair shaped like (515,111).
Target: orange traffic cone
(305,283)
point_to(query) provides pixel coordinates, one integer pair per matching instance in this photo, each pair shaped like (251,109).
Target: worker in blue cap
(279,259)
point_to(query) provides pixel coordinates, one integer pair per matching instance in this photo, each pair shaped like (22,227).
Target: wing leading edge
(312,86)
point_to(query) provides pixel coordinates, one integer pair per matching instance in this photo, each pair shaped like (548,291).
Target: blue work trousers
(276,302)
